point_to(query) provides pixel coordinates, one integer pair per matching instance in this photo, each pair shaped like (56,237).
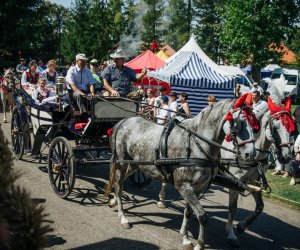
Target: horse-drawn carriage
(187,157)
(56,125)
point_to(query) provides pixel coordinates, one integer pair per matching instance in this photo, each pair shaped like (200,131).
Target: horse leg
(232,240)
(120,175)
(114,201)
(162,195)
(242,225)
(3,98)
(11,104)
(183,230)
(191,198)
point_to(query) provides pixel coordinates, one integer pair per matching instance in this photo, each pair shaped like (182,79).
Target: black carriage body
(55,125)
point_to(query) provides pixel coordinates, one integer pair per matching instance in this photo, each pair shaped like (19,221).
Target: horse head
(10,79)
(240,126)
(279,132)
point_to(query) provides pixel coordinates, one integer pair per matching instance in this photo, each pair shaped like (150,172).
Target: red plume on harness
(229,117)
(286,119)
(246,100)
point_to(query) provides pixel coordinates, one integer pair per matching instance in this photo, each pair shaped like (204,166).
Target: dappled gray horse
(136,139)
(272,131)
(7,85)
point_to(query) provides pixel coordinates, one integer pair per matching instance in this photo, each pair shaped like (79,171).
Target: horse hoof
(112,203)
(233,243)
(199,247)
(161,204)
(5,121)
(240,228)
(126,225)
(188,246)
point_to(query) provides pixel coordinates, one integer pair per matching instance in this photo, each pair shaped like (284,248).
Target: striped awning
(190,74)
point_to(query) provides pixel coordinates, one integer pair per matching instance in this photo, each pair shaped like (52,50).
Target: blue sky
(66,3)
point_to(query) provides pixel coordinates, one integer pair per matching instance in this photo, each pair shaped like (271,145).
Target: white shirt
(163,114)
(173,107)
(260,108)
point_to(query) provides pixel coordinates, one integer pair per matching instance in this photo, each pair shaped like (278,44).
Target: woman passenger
(184,107)
(50,74)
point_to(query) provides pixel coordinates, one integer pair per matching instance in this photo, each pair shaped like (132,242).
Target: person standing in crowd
(117,78)
(94,66)
(237,91)
(295,164)
(50,74)
(21,67)
(296,116)
(162,92)
(211,100)
(41,66)
(184,107)
(256,87)
(30,75)
(164,113)
(144,101)
(79,78)
(173,104)
(151,103)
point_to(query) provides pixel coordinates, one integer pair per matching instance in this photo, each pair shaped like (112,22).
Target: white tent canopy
(192,46)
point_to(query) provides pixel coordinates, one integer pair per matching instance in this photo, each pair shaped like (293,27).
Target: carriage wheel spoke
(55,179)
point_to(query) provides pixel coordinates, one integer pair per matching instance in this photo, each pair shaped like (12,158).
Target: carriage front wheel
(17,134)
(61,167)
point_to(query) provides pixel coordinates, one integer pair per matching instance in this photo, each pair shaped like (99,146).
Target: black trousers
(81,102)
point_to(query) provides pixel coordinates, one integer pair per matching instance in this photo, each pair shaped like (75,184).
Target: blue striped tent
(190,74)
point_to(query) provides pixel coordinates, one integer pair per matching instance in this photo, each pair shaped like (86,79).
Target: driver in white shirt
(259,106)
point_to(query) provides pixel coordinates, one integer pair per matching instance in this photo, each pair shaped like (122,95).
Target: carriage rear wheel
(140,179)
(61,167)
(17,134)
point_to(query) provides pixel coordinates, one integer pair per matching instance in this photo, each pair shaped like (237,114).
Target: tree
(29,29)
(207,24)
(253,29)
(77,36)
(295,44)
(152,19)
(179,15)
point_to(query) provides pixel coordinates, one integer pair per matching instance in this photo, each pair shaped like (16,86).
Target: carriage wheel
(140,179)
(61,167)
(17,135)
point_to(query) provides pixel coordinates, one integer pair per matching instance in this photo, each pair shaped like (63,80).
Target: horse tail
(111,181)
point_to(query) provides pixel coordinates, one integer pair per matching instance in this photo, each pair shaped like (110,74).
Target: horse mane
(211,115)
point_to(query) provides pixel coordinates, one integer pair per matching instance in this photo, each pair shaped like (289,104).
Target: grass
(281,189)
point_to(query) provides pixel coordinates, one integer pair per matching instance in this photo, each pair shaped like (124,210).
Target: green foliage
(250,27)
(179,14)
(207,28)
(28,27)
(282,190)
(26,222)
(152,21)
(295,44)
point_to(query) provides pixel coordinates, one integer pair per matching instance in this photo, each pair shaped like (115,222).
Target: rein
(182,127)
